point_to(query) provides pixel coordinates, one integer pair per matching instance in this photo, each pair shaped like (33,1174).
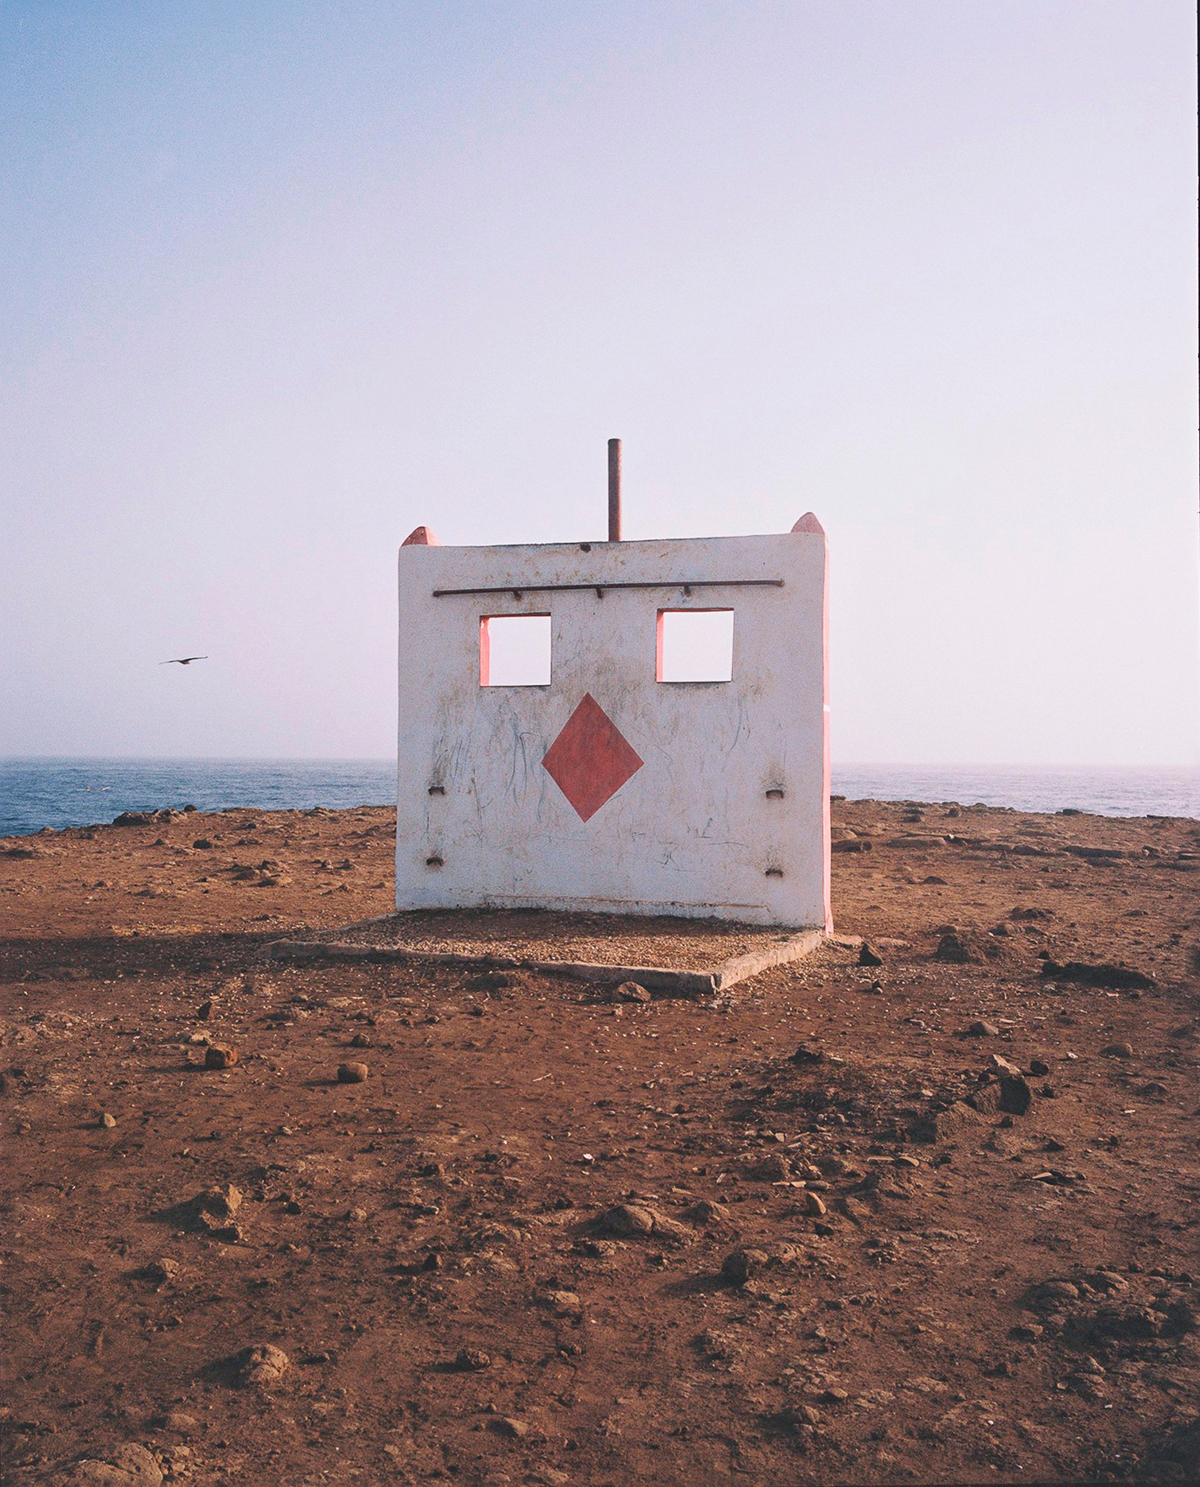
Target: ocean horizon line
(1183,766)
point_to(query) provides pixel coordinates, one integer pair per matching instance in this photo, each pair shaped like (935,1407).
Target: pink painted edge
(420,537)
(809,523)
(826,770)
(485,652)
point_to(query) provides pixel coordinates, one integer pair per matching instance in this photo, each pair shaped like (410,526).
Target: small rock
(1182,1317)
(128,1465)
(806,1414)
(772,1168)
(1119,1050)
(352,1073)
(868,957)
(858,1213)
(706,1212)
(107,1120)
(220,1056)
(490,981)
(981,1029)
(740,1264)
(356,1216)
(178,1421)
(1002,1066)
(472,1360)
(1038,1066)
(1128,1323)
(808,1053)
(833,1395)
(951,950)
(630,991)
(161,1271)
(205,1010)
(985,1099)
(561,1303)
(814,1205)
(1052,1293)
(1028,1332)
(260,1366)
(506,1425)
(1115,978)
(665,1228)
(214,1207)
(1015,1094)
(944,1125)
(626,1221)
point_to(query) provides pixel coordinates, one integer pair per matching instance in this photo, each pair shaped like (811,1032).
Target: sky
(281,281)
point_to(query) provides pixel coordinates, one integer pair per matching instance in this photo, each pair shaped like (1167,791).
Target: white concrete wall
(694,831)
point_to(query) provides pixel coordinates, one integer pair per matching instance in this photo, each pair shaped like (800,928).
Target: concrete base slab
(665,956)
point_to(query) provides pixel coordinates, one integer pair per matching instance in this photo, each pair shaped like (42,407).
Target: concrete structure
(608,788)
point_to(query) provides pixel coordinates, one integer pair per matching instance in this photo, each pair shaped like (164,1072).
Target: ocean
(77,792)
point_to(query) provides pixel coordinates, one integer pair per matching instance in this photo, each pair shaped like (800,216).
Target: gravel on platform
(540,935)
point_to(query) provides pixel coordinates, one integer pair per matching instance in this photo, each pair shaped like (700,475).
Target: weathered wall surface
(727,815)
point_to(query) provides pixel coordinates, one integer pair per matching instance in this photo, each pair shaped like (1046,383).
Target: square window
(695,645)
(514,650)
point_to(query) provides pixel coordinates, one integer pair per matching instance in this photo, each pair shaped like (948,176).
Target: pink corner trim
(485,653)
(809,523)
(826,761)
(420,537)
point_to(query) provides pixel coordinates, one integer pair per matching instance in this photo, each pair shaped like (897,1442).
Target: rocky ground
(920,1212)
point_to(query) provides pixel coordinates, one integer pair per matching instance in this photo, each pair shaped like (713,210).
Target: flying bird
(182,660)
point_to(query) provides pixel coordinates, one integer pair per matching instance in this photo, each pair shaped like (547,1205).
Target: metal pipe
(614,490)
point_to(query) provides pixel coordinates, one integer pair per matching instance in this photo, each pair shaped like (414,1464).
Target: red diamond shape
(589,761)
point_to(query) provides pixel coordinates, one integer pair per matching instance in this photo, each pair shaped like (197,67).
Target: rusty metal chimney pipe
(614,490)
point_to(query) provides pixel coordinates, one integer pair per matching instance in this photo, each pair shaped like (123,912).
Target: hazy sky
(280,281)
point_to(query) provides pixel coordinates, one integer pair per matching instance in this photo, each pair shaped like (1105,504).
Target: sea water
(78,792)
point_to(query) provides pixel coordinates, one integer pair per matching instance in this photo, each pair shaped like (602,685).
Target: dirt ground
(552,1238)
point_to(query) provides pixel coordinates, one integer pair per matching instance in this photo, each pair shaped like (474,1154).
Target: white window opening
(695,645)
(514,650)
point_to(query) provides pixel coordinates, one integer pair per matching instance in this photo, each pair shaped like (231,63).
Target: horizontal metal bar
(677,583)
